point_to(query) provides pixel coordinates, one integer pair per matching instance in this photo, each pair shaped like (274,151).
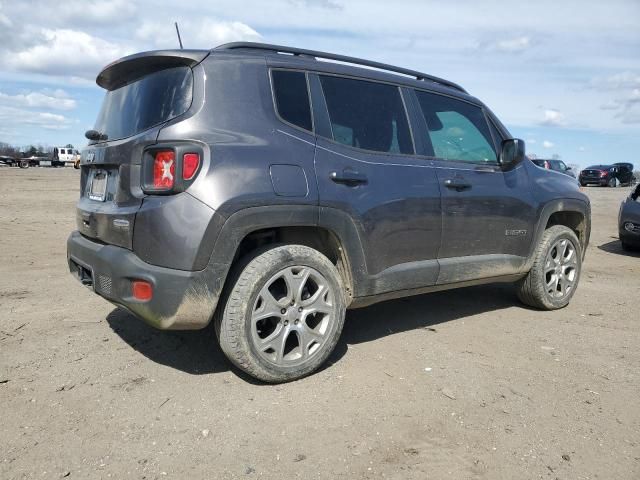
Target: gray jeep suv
(264,189)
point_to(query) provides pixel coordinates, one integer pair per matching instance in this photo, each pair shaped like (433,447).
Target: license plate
(98,186)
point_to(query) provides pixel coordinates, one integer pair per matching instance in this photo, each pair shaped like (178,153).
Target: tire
(305,326)
(24,164)
(612,183)
(76,165)
(539,289)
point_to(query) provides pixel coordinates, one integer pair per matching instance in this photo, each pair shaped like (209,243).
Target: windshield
(153,99)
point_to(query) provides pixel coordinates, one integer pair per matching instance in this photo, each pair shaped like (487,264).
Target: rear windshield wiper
(95,135)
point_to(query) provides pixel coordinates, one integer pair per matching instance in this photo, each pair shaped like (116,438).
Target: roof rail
(340,58)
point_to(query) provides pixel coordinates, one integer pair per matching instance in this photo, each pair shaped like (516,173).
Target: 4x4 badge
(515,233)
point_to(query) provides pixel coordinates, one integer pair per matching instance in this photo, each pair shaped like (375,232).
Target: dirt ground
(459,384)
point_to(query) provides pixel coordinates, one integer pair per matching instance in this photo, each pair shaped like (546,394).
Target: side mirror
(512,152)
(568,168)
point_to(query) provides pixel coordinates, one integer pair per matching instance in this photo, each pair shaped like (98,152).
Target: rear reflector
(164,169)
(142,290)
(190,164)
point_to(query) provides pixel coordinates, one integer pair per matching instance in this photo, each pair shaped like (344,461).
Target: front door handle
(457,184)
(349,177)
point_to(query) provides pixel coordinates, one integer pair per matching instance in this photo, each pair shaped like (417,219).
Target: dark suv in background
(607,175)
(269,191)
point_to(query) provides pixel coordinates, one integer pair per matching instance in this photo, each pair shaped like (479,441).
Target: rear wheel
(554,276)
(24,164)
(282,314)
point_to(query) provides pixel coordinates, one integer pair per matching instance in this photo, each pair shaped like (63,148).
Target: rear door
(367,170)
(487,214)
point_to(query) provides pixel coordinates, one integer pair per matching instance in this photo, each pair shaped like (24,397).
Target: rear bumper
(182,300)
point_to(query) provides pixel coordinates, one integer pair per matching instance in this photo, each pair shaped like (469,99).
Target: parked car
(301,188)
(607,175)
(555,165)
(629,221)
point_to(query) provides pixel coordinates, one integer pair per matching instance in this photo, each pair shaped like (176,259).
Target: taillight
(190,164)
(164,169)
(170,169)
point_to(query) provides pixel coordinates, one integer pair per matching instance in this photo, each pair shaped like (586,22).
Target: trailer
(56,159)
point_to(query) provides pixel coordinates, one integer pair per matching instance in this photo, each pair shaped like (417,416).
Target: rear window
(292,98)
(367,115)
(152,100)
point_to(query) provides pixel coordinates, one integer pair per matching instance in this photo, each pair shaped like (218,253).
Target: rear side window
(140,105)
(457,130)
(367,115)
(292,98)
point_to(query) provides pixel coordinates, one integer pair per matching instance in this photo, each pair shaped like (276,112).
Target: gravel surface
(458,384)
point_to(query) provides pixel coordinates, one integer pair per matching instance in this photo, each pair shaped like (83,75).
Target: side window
(367,115)
(62,151)
(457,129)
(292,97)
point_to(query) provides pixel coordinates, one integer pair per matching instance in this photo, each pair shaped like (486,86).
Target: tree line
(27,151)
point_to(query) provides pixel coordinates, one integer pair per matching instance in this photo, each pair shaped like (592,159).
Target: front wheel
(555,272)
(282,314)
(613,182)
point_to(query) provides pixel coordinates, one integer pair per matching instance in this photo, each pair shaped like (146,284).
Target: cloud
(513,45)
(553,118)
(547,144)
(17,116)
(626,101)
(509,45)
(50,99)
(65,52)
(329,4)
(618,81)
(202,33)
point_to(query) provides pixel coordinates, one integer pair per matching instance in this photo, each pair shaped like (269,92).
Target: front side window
(367,115)
(457,130)
(292,97)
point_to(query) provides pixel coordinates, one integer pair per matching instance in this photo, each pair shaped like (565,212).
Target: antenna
(178,32)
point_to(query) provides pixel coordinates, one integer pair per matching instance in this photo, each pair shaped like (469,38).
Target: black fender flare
(240,224)
(554,206)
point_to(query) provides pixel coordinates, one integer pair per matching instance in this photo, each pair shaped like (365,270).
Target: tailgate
(110,193)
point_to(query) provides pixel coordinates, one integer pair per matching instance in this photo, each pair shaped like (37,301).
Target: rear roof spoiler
(129,69)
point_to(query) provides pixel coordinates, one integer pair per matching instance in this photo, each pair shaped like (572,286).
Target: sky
(562,75)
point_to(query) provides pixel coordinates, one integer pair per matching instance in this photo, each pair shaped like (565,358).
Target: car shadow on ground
(198,353)
(616,247)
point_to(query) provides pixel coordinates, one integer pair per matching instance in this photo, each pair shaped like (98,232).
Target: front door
(487,214)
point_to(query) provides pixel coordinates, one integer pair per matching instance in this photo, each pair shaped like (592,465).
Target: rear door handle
(457,184)
(349,177)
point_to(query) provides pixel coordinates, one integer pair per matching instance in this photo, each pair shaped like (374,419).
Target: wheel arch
(256,227)
(572,213)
